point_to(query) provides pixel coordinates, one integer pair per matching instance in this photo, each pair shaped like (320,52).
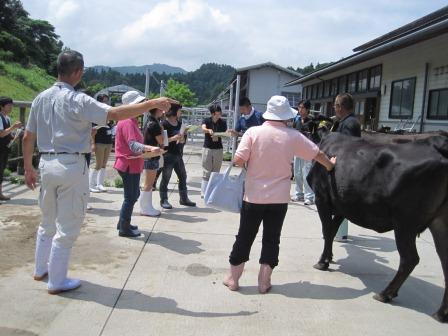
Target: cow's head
(323,126)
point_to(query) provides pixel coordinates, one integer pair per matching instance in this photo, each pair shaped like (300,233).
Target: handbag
(225,192)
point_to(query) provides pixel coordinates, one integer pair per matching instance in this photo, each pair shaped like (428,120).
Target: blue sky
(188,33)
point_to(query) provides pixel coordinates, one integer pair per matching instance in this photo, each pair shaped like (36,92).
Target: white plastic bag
(225,192)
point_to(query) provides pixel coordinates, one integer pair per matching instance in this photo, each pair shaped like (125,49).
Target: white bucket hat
(132,97)
(279,109)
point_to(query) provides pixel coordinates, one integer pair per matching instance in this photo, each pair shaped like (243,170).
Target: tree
(26,40)
(180,92)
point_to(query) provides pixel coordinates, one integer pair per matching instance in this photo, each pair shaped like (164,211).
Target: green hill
(22,83)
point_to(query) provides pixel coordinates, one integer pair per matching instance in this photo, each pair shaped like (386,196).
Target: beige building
(398,80)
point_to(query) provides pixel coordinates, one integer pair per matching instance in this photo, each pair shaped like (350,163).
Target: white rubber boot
(100,180)
(43,248)
(204,184)
(93,178)
(146,208)
(57,271)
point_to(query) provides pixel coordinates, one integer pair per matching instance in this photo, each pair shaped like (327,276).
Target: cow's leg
(409,258)
(330,226)
(439,230)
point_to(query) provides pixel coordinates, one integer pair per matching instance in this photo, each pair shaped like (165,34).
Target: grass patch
(118,182)
(17,180)
(227,156)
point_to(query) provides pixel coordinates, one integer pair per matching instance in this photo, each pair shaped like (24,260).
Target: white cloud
(62,10)
(187,33)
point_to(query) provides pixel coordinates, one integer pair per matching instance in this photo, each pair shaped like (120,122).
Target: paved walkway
(169,281)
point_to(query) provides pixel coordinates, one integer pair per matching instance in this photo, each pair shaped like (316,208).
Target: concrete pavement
(169,281)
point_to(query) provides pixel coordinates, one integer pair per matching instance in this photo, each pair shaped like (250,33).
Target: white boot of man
(146,208)
(93,180)
(204,184)
(100,180)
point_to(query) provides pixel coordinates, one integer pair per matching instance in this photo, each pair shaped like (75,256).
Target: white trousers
(63,197)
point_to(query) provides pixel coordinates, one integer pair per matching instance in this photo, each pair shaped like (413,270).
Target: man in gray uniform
(61,121)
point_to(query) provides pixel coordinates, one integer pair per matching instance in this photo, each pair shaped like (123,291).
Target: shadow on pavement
(175,243)
(134,300)
(182,218)
(362,263)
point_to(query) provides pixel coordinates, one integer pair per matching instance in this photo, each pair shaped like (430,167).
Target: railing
(18,156)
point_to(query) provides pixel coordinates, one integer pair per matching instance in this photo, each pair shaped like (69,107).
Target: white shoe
(100,180)
(308,202)
(204,184)
(57,271)
(43,248)
(146,208)
(93,178)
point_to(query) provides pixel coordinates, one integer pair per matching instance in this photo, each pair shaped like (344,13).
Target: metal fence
(16,158)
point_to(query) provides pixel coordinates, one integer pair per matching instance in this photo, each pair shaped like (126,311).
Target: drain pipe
(425,87)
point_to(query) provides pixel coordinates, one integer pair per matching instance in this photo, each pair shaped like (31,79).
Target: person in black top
(173,159)
(305,124)
(212,154)
(153,136)
(6,130)
(102,146)
(348,123)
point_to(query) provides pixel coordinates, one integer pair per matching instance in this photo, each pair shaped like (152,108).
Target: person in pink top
(267,152)
(129,145)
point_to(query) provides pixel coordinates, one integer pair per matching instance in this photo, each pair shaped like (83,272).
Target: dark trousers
(131,184)
(4,152)
(173,162)
(272,216)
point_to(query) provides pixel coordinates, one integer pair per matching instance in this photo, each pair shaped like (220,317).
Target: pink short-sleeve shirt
(127,131)
(269,150)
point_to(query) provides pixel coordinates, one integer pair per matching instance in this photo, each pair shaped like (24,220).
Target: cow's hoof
(383,298)
(322,266)
(441,317)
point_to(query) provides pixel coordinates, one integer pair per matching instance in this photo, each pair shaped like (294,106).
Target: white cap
(132,97)
(279,109)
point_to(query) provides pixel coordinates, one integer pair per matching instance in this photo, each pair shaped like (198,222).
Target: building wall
(267,82)
(406,63)
(411,62)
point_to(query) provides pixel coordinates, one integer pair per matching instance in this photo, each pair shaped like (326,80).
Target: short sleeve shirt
(62,119)
(104,134)
(220,126)
(7,120)
(173,147)
(269,150)
(243,124)
(151,131)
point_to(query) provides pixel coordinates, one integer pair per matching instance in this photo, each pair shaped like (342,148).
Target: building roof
(418,24)
(428,27)
(122,88)
(268,64)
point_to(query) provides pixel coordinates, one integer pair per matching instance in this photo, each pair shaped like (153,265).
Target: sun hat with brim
(279,109)
(132,97)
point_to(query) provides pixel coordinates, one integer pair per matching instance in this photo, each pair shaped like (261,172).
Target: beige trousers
(63,197)
(102,152)
(211,161)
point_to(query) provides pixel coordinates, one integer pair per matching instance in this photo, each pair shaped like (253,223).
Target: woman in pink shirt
(129,145)
(267,187)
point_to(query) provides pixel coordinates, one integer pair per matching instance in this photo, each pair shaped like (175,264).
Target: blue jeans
(131,184)
(301,171)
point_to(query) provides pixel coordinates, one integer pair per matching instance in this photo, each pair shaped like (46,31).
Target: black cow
(384,184)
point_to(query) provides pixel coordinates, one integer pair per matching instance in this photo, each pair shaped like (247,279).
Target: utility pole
(147,83)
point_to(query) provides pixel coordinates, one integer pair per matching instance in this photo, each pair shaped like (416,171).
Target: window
(438,104)
(327,89)
(320,90)
(351,83)
(314,95)
(402,99)
(342,84)
(375,78)
(292,97)
(362,81)
(334,87)
(359,107)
